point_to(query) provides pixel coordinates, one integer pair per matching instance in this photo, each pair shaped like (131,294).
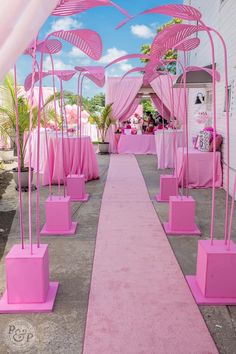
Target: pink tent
(123,93)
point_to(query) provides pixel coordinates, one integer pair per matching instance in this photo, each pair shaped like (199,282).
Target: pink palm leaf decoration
(64,75)
(28,79)
(128,56)
(171,36)
(151,69)
(72,7)
(188,45)
(86,40)
(184,12)
(49,46)
(93,73)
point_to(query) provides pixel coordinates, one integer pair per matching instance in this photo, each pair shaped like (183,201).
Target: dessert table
(200,168)
(89,165)
(165,147)
(137,144)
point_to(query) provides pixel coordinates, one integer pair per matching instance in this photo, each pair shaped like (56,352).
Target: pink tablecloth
(71,161)
(137,144)
(200,168)
(89,162)
(165,147)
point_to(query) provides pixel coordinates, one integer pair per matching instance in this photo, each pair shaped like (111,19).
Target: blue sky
(127,39)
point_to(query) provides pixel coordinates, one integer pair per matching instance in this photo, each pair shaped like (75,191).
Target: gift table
(200,168)
(165,147)
(137,144)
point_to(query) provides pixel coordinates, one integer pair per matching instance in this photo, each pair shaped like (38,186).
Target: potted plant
(8,122)
(103,122)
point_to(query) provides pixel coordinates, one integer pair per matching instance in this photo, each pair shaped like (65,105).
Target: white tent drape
(20,21)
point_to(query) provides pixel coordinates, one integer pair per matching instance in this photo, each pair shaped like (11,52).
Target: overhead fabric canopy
(124,94)
(161,86)
(20,22)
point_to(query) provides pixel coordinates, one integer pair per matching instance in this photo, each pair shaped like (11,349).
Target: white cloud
(76,53)
(65,23)
(78,57)
(142,31)
(112,54)
(125,66)
(58,64)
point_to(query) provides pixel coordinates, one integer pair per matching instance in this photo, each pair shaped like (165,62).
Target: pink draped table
(137,144)
(165,147)
(89,165)
(200,168)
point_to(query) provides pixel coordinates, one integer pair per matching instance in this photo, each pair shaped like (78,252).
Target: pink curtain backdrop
(164,85)
(131,110)
(20,22)
(160,107)
(122,94)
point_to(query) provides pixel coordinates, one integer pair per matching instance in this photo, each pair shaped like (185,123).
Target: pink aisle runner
(139,301)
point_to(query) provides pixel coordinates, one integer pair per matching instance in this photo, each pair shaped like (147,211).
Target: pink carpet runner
(139,301)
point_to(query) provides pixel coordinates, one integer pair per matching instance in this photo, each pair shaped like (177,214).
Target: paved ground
(71,262)
(221,320)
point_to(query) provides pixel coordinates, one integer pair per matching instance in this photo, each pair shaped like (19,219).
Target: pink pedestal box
(215,281)
(76,188)
(27,279)
(58,217)
(181,216)
(168,188)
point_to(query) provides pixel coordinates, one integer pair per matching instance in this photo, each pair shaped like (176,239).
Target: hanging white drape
(20,21)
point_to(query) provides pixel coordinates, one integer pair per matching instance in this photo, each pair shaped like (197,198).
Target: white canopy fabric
(20,21)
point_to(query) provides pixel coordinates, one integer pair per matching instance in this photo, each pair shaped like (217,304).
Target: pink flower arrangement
(71,130)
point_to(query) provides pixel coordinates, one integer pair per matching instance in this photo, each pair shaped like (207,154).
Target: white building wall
(220,15)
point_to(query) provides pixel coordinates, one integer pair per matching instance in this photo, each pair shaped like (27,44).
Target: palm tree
(8,114)
(103,121)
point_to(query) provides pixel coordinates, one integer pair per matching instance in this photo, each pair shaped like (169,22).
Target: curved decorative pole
(228,229)
(80,123)
(19,161)
(30,146)
(62,137)
(90,43)
(76,183)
